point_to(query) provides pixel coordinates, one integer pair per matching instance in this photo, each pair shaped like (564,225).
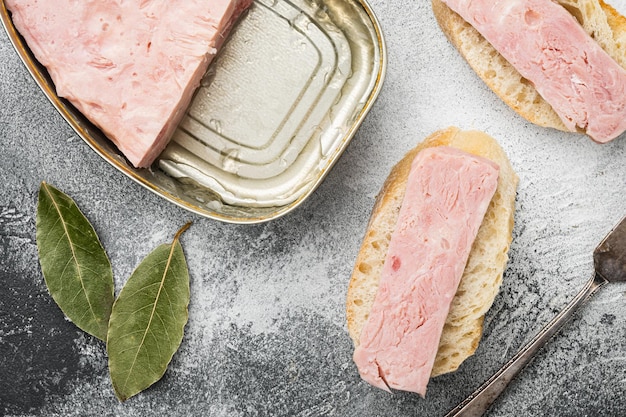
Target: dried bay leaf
(74,264)
(148,320)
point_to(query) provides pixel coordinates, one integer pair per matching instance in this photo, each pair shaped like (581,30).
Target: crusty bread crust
(598,19)
(483,273)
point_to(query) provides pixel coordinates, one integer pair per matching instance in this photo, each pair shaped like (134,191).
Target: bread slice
(601,21)
(483,273)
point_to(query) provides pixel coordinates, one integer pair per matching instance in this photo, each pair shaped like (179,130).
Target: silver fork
(609,260)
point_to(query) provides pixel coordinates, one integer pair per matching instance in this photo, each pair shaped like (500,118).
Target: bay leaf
(148,320)
(74,264)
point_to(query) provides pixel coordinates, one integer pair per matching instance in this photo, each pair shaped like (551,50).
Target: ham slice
(447,195)
(582,83)
(130,66)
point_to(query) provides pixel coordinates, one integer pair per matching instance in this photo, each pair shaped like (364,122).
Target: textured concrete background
(266,334)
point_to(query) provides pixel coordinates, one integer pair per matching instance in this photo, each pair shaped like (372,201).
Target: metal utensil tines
(609,265)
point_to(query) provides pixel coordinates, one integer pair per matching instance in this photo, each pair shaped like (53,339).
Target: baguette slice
(601,21)
(483,273)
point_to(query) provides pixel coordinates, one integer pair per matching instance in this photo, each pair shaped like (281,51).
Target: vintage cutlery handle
(479,402)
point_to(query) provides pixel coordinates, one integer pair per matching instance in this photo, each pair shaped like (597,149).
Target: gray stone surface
(266,333)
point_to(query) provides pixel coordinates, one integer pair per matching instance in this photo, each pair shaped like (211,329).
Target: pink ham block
(582,83)
(130,66)
(447,195)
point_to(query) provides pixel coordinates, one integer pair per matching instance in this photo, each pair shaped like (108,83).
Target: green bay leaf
(74,264)
(148,320)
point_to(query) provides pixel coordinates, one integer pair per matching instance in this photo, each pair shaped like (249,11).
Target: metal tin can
(274,112)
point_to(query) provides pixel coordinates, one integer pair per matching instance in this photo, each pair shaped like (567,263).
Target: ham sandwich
(548,47)
(131,67)
(447,194)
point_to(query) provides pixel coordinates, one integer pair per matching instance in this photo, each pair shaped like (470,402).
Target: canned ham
(447,195)
(131,67)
